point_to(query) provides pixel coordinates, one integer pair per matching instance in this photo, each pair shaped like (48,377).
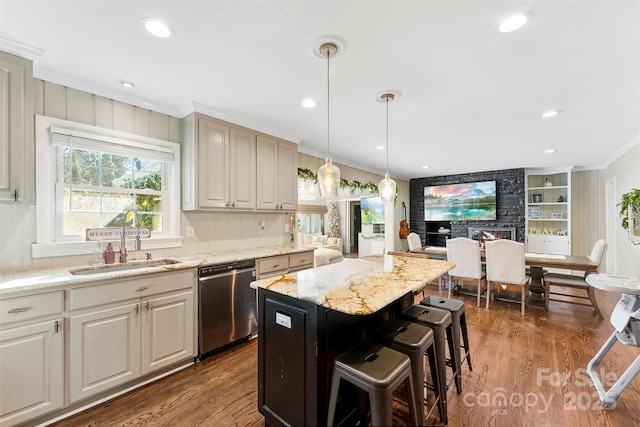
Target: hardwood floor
(527,371)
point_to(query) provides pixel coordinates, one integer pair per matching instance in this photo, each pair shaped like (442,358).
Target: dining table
(536,262)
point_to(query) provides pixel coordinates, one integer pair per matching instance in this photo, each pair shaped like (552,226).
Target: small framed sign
(556,215)
(113,233)
(536,198)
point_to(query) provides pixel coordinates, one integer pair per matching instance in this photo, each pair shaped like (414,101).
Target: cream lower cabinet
(112,344)
(277,170)
(31,371)
(104,349)
(167,330)
(31,357)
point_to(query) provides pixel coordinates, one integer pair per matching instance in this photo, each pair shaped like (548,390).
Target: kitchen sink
(131,265)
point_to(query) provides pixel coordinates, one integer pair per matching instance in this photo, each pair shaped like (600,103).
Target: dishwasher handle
(229,273)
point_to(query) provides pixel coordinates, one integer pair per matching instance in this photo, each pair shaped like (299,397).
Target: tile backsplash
(212,231)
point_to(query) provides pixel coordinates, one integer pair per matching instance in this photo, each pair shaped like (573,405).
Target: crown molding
(19,49)
(209,111)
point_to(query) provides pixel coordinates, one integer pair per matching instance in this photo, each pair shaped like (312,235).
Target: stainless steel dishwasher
(227,304)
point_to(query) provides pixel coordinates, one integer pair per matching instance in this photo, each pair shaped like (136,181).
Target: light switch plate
(190,231)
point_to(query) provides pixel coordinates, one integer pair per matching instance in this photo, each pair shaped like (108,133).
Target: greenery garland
(354,185)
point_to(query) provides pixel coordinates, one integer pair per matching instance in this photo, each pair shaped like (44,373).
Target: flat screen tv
(460,202)
(372,210)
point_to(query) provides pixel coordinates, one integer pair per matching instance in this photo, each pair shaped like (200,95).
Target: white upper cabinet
(219,165)
(16,129)
(277,174)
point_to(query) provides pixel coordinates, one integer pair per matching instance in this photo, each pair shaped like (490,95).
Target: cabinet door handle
(19,310)
(56,327)
(233,204)
(226,203)
(276,266)
(144,288)
(137,308)
(146,305)
(15,195)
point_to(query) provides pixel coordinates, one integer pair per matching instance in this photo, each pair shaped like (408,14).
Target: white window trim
(45,245)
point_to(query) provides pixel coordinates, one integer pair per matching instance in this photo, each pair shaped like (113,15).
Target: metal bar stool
(415,341)
(459,319)
(441,323)
(378,370)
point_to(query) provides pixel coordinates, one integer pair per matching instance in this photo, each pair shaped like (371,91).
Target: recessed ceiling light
(425,167)
(512,23)
(549,151)
(380,147)
(308,103)
(126,84)
(157,27)
(550,113)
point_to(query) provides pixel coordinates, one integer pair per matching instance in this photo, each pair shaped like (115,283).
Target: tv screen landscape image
(460,202)
(372,210)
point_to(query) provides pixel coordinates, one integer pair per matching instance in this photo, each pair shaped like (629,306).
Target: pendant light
(387,186)
(328,174)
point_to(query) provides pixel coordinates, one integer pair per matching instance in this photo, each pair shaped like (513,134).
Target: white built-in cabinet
(277,174)
(122,330)
(548,220)
(228,167)
(16,128)
(31,356)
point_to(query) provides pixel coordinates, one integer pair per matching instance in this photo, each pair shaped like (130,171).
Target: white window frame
(46,167)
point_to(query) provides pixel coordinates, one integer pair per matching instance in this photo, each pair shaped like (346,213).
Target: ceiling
(470,97)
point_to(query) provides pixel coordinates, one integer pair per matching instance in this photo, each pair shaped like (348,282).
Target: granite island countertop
(357,286)
(34,280)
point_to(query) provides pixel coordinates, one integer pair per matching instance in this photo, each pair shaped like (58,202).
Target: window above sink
(87,176)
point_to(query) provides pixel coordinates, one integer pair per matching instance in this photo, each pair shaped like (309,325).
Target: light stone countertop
(357,286)
(28,281)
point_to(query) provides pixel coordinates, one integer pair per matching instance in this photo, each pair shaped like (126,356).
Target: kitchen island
(307,318)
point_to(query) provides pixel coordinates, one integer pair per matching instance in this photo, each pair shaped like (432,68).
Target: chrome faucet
(136,243)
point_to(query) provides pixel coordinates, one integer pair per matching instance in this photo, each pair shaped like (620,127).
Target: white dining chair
(575,282)
(505,265)
(465,253)
(413,240)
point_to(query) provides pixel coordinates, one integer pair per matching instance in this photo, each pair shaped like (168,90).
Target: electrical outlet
(261,227)
(190,231)
(286,228)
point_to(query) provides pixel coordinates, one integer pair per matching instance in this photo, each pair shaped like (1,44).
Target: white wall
(595,213)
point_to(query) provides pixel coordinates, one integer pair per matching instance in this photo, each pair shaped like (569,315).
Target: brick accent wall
(510,201)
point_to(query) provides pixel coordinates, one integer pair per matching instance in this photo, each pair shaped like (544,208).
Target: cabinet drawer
(272,265)
(31,307)
(301,260)
(136,287)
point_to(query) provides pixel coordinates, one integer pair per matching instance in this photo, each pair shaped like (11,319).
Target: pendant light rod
(329,49)
(387,97)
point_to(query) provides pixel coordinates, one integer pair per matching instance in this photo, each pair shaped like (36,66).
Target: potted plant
(630,210)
